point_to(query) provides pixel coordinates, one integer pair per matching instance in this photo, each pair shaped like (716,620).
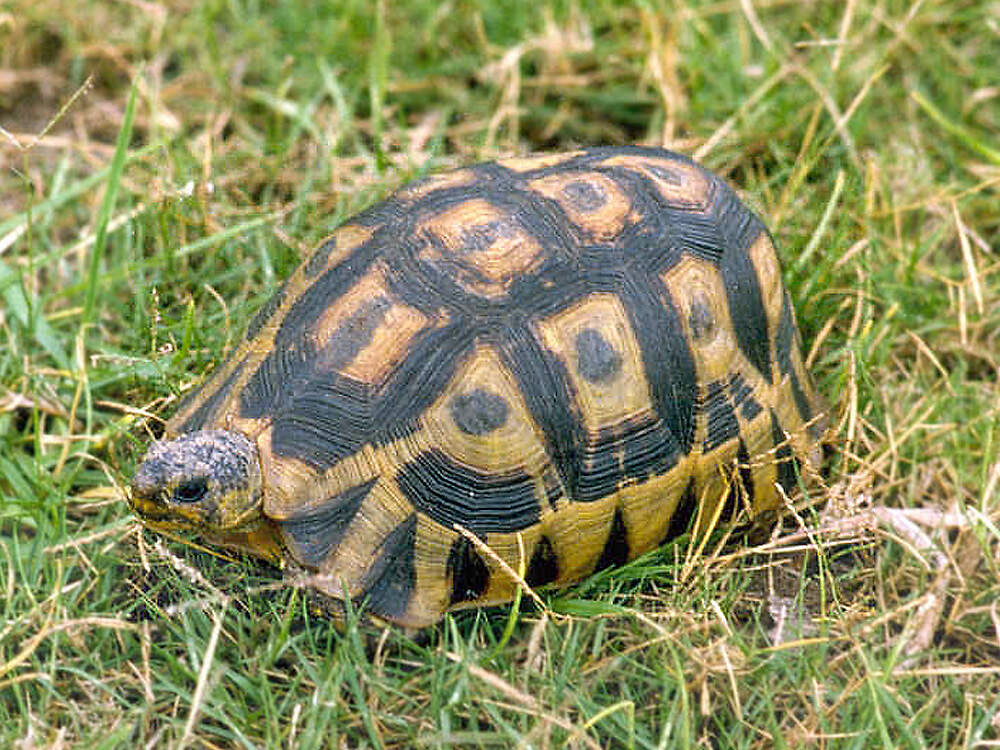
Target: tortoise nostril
(190,491)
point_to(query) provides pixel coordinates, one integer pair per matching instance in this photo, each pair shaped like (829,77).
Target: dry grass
(864,131)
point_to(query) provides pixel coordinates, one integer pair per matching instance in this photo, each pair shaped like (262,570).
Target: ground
(150,151)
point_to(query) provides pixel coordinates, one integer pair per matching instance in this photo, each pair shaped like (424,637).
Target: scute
(311,533)
(469,574)
(544,565)
(592,201)
(571,357)
(452,493)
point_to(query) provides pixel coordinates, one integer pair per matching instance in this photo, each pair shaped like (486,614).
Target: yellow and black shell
(572,357)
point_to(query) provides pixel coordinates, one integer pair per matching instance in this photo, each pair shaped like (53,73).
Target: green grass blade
(961,132)
(108,204)
(16,302)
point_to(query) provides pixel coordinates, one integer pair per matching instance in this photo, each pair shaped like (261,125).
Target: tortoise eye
(191,491)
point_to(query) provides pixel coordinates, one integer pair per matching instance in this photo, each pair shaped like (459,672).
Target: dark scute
(271,386)
(597,360)
(649,450)
(626,453)
(788,466)
(544,383)
(544,565)
(746,307)
(469,575)
(742,395)
(696,234)
(451,493)
(430,276)
(746,474)
(329,286)
(700,319)
(265,312)
(390,581)
(317,261)
(739,226)
(722,422)
(478,412)
(615,550)
(602,268)
(330,420)
(785,337)
(646,245)
(684,512)
(424,374)
(584,195)
(297,364)
(321,417)
(315,533)
(200,415)
(667,359)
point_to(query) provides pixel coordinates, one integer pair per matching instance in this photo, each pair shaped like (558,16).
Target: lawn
(164,165)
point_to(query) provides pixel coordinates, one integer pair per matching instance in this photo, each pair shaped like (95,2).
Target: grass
(164,166)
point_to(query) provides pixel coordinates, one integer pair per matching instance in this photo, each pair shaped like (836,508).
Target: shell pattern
(573,357)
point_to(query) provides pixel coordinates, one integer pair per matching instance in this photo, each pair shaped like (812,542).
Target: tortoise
(548,364)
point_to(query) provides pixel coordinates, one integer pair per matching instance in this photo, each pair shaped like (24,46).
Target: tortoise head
(208,481)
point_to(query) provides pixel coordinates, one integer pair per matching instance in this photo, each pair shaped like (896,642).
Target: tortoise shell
(570,358)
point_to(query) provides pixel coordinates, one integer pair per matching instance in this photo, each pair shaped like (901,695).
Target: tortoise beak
(155,513)
(145,495)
